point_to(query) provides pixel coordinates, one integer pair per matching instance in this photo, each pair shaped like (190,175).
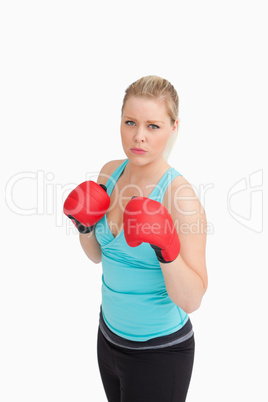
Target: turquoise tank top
(135,303)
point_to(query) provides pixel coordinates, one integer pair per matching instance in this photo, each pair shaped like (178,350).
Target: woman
(150,234)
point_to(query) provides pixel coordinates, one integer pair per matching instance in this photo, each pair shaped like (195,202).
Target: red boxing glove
(86,205)
(148,221)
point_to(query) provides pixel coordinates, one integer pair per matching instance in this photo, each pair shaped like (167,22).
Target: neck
(145,173)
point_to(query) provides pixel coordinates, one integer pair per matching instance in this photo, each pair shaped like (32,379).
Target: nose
(139,135)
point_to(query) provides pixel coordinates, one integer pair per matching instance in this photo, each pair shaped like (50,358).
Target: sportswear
(161,375)
(135,302)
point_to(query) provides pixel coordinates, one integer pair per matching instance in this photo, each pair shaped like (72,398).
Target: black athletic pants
(154,375)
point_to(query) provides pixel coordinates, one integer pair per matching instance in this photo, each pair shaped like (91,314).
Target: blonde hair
(159,88)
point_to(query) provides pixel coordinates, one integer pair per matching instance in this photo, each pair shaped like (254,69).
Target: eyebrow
(148,121)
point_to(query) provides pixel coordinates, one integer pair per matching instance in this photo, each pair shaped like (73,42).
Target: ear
(175,126)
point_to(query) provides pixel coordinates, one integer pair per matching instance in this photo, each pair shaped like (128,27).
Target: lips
(138,149)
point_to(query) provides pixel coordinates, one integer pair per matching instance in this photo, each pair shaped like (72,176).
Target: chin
(139,159)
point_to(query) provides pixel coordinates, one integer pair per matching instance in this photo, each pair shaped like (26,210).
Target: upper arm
(190,221)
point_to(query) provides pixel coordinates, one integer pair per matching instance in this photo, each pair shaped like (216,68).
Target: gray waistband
(179,336)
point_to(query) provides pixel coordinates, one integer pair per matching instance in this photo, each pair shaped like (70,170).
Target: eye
(154,126)
(129,123)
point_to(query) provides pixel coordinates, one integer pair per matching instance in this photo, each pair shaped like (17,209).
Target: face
(145,124)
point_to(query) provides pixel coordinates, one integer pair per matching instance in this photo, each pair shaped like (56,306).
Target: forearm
(91,246)
(183,284)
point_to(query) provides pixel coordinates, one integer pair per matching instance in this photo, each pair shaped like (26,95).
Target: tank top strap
(115,176)
(159,191)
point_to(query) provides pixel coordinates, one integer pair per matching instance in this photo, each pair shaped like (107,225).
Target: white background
(64,69)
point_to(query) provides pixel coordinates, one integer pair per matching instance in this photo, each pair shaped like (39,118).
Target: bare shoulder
(108,169)
(182,198)
(178,186)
